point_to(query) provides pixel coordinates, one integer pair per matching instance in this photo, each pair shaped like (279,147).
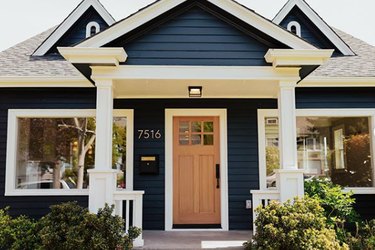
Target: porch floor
(195,240)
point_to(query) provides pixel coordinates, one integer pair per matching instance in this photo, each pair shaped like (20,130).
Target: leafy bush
(338,205)
(293,225)
(67,226)
(19,233)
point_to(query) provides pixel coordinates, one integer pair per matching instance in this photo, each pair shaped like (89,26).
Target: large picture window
(50,154)
(336,147)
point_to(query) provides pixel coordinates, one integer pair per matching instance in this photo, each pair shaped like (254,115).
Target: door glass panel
(184,127)
(208,140)
(184,139)
(196,127)
(196,139)
(208,127)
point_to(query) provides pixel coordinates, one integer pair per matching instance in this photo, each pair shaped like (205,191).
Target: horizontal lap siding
(242,154)
(349,98)
(195,37)
(37,206)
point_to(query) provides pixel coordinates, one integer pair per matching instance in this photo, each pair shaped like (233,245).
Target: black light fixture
(195,91)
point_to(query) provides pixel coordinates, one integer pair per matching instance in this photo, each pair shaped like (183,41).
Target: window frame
(12,143)
(264,113)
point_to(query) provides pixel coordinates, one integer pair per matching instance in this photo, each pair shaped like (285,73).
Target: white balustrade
(134,198)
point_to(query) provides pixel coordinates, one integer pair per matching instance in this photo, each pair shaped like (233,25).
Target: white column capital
(104,83)
(287,84)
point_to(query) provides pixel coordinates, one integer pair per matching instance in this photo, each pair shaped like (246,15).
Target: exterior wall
(320,98)
(77,32)
(37,206)
(196,35)
(242,153)
(309,31)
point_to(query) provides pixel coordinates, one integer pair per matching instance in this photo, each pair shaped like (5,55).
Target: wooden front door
(196,171)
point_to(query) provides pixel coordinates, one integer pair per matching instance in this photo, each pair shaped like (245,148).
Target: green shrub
(19,233)
(338,205)
(69,226)
(364,238)
(293,225)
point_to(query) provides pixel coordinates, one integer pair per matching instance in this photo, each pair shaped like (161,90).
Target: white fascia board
(69,21)
(97,56)
(195,73)
(131,23)
(290,57)
(337,82)
(262,24)
(317,20)
(41,82)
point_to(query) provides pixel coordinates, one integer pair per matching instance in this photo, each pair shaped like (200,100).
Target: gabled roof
(51,40)
(317,20)
(160,7)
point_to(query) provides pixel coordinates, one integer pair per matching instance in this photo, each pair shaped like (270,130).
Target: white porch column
(103,177)
(289,177)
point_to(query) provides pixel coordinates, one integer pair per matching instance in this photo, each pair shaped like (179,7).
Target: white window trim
(12,140)
(169,114)
(298,27)
(89,26)
(263,113)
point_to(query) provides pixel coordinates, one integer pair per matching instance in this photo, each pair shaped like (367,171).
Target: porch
(117,81)
(195,240)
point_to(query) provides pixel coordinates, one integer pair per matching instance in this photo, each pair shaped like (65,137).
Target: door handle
(217,175)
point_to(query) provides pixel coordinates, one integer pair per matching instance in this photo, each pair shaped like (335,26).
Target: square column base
(101,189)
(290,183)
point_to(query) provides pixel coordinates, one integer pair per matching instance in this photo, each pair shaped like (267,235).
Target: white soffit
(158,8)
(317,20)
(69,22)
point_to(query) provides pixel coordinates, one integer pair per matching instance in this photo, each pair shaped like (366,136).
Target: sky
(22,19)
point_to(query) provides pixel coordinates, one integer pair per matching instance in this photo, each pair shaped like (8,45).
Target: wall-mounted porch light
(195,91)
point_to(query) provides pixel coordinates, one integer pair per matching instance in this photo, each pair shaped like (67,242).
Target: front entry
(196,172)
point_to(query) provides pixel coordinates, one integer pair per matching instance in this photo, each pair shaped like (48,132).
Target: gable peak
(317,20)
(72,18)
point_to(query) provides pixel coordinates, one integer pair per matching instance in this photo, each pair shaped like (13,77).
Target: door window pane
(196,127)
(208,127)
(196,139)
(208,140)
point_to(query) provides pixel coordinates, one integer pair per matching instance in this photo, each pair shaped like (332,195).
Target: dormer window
(295,28)
(92,28)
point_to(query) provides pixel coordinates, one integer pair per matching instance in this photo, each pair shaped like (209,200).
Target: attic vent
(92,28)
(295,28)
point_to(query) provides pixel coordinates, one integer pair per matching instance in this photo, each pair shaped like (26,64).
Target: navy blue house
(186,114)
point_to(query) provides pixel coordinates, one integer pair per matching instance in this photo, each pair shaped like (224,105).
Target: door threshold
(196,226)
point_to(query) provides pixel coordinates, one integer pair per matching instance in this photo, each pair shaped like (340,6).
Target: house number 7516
(149,134)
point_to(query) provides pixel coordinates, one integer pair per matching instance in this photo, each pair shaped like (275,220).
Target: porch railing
(263,198)
(134,199)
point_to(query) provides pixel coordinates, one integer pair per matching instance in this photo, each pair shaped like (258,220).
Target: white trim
(298,27)
(293,57)
(160,7)
(95,56)
(69,22)
(89,27)
(41,82)
(263,113)
(337,82)
(317,20)
(10,174)
(169,114)
(151,72)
